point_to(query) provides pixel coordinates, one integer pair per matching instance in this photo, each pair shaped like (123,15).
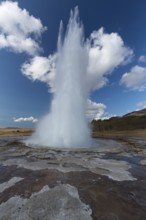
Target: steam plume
(66,125)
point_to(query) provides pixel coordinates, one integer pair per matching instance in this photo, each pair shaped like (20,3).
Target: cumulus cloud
(19,32)
(27,119)
(135,79)
(42,69)
(142,59)
(106,52)
(18,29)
(142,104)
(95,110)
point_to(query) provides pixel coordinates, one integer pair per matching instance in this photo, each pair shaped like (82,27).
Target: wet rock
(95,183)
(59,203)
(143,162)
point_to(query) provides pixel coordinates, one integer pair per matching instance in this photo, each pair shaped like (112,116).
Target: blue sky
(28,37)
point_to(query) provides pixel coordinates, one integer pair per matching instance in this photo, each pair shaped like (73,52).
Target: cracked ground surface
(106,182)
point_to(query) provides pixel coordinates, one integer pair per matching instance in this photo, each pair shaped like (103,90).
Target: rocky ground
(105,182)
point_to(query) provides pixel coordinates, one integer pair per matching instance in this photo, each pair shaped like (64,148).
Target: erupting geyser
(66,124)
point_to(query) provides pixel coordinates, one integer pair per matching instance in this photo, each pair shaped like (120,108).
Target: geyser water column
(66,124)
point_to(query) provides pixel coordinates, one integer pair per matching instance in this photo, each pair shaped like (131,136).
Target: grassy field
(9,132)
(140,133)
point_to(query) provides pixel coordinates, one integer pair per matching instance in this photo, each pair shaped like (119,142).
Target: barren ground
(106,182)
(9,132)
(141,133)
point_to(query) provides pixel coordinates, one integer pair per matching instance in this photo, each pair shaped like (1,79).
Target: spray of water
(66,124)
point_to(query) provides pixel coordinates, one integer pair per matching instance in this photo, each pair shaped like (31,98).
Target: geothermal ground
(107,181)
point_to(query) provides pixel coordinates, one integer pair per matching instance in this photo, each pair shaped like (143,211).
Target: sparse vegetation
(120,123)
(131,125)
(140,133)
(15,132)
(120,126)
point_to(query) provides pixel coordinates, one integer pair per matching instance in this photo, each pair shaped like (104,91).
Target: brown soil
(141,133)
(10,132)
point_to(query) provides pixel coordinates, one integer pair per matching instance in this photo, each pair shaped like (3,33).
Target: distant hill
(12,128)
(131,121)
(136,113)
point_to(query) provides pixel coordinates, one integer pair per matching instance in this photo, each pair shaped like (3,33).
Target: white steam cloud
(18,29)
(66,123)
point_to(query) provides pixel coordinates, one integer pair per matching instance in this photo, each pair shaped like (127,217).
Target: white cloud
(106,52)
(27,119)
(42,69)
(107,116)
(135,79)
(18,29)
(95,110)
(19,32)
(142,104)
(142,59)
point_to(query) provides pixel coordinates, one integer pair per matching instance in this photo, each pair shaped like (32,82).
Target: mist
(66,124)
